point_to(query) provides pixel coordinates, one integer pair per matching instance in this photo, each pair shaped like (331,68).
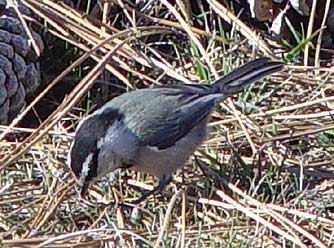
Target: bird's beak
(84,189)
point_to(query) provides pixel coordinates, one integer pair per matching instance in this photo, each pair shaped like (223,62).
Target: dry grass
(263,179)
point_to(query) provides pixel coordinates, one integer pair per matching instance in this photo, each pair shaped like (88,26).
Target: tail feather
(239,78)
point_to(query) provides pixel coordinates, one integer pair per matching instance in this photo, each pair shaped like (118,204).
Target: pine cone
(19,68)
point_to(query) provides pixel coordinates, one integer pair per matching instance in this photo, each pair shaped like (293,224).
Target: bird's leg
(163,181)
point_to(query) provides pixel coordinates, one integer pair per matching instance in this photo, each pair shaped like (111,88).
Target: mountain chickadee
(154,130)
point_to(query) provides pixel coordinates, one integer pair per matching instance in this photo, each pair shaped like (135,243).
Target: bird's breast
(164,162)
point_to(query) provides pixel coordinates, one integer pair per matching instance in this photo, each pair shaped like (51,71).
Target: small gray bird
(154,130)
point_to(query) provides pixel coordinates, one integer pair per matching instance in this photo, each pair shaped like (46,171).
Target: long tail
(240,77)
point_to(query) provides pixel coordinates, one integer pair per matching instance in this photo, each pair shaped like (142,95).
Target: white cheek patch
(85,168)
(118,141)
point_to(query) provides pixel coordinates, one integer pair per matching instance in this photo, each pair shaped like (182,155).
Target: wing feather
(173,112)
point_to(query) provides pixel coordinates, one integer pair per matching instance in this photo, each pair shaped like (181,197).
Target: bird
(154,130)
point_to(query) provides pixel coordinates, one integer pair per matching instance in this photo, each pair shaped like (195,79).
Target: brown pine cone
(19,67)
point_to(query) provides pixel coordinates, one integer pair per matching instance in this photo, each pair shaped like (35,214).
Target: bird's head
(87,153)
